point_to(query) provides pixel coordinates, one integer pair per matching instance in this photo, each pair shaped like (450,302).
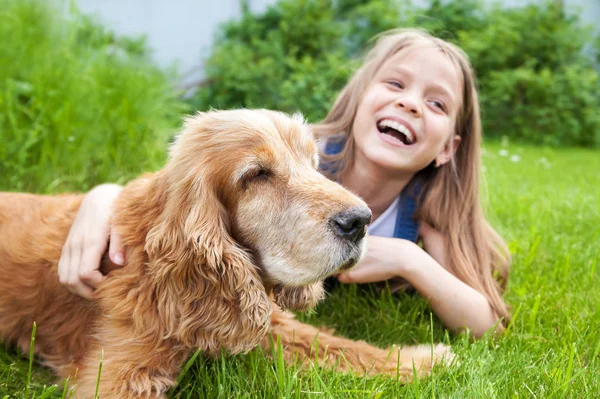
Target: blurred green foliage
(536,83)
(78,106)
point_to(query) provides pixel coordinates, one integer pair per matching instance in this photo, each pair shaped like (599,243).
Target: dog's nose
(350,224)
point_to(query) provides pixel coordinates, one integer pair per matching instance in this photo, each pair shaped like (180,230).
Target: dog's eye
(256,175)
(262,174)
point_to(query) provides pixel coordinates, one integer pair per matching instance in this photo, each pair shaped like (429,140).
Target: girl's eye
(438,104)
(395,84)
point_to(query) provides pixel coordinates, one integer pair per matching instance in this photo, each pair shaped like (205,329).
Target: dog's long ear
(210,292)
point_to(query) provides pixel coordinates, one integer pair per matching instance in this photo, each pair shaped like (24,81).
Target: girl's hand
(386,258)
(78,267)
(457,304)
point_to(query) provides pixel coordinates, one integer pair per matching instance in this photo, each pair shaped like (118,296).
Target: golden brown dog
(239,211)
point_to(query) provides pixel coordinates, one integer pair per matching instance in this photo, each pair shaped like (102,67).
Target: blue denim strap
(334,147)
(406,225)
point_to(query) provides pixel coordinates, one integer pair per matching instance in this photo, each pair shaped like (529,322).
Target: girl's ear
(448,151)
(208,290)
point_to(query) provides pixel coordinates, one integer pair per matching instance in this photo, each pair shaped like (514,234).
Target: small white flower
(71,139)
(515,158)
(544,162)
(503,153)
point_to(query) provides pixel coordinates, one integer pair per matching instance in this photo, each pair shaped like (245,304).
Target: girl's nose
(409,105)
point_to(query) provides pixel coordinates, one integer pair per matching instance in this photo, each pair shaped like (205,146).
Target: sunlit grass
(76,111)
(77,106)
(546,203)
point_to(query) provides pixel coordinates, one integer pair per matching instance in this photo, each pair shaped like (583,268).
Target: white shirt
(385,224)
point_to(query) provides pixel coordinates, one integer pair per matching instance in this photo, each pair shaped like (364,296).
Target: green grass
(547,206)
(79,107)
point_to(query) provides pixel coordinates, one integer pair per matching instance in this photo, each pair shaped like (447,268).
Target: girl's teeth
(398,127)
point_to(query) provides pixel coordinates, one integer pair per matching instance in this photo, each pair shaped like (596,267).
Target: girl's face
(406,117)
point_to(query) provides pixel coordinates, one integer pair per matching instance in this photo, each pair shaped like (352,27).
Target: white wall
(180,32)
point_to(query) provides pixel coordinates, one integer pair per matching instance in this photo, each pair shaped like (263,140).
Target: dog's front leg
(310,345)
(131,368)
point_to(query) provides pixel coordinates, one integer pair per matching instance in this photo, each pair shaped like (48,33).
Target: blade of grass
(31,352)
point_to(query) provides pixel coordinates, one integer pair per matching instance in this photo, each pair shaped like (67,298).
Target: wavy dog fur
(238,211)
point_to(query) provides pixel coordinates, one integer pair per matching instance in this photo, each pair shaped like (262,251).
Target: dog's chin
(305,279)
(298,298)
(355,254)
(305,296)
(347,265)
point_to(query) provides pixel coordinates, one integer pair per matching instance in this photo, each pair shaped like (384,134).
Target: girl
(404,134)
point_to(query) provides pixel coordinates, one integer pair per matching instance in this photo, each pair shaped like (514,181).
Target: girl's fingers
(93,278)
(68,274)
(81,289)
(363,273)
(91,255)
(116,250)
(78,267)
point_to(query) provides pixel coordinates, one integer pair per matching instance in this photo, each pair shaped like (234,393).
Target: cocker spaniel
(236,227)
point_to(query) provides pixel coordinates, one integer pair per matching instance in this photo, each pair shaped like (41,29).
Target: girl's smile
(396,131)
(407,115)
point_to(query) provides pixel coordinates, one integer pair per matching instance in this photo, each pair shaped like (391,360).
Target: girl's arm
(87,241)
(458,305)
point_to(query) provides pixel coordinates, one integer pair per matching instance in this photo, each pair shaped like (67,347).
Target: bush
(78,106)
(535,82)
(295,56)
(290,58)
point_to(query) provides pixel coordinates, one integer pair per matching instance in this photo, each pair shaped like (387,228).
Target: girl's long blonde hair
(449,196)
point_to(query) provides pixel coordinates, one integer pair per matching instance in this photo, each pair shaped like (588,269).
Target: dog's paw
(444,354)
(425,357)
(410,361)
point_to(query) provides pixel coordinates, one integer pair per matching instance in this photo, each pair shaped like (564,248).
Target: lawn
(546,203)
(79,107)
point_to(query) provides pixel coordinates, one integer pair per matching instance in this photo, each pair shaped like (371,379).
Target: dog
(236,228)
